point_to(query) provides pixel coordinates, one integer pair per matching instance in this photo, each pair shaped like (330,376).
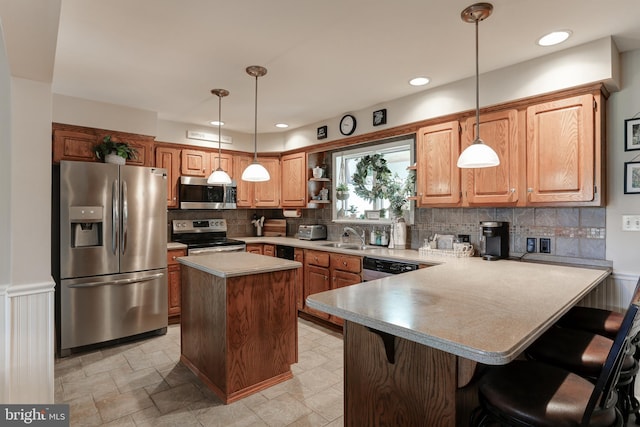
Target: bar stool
(607,323)
(531,393)
(585,353)
(597,320)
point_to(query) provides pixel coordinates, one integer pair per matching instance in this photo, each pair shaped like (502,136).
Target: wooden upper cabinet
(267,194)
(195,163)
(73,145)
(169,159)
(294,180)
(258,194)
(225,159)
(562,146)
(437,176)
(77,143)
(495,185)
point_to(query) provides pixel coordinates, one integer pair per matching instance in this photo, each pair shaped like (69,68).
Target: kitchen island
(239,321)
(414,342)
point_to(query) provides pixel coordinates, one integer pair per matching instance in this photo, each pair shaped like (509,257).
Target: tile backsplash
(573,232)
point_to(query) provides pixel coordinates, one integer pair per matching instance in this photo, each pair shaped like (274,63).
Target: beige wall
(623,247)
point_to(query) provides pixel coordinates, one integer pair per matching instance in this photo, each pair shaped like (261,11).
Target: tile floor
(144,384)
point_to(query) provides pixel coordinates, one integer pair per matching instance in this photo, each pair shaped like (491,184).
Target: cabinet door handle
(174,257)
(344,263)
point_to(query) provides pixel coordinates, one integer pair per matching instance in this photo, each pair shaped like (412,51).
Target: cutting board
(274,227)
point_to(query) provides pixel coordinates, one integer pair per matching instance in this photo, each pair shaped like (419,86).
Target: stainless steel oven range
(204,236)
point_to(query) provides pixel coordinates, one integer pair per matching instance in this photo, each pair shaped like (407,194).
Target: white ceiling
(324,58)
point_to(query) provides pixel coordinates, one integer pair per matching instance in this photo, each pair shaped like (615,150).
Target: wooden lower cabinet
(324,271)
(346,270)
(254,248)
(298,255)
(269,249)
(316,280)
(174,283)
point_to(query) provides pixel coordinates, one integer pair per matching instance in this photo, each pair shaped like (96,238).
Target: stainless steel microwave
(196,193)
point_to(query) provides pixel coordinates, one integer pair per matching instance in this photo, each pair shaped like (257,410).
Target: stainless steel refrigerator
(112,272)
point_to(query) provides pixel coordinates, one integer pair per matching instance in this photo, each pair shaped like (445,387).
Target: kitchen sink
(349,246)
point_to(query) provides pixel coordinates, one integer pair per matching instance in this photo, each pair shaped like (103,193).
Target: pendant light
(478,154)
(219,176)
(255,172)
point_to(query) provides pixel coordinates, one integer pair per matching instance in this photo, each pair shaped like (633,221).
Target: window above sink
(373,183)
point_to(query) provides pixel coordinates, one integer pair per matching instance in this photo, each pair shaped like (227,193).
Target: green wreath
(375,165)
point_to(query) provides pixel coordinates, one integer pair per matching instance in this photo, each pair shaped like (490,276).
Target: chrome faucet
(349,229)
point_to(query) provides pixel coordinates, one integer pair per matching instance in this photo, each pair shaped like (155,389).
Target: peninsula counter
(238,327)
(413,341)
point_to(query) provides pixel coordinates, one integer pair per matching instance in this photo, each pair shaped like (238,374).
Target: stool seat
(581,352)
(540,395)
(595,320)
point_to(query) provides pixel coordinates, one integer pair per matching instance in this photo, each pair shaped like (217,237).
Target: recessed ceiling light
(554,37)
(216,123)
(419,81)
(282,125)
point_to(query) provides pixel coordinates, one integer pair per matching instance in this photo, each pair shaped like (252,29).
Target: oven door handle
(213,250)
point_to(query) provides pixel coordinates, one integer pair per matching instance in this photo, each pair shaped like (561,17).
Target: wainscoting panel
(30,339)
(614,294)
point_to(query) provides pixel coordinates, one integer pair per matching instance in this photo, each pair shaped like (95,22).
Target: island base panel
(227,398)
(239,334)
(418,387)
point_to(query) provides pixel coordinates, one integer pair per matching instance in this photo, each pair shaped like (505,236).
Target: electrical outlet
(531,244)
(630,222)
(545,245)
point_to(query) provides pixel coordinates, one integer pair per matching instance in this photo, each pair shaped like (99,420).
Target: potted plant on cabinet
(114,152)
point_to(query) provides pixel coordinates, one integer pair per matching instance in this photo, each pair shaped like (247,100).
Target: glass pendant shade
(255,172)
(478,154)
(219,176)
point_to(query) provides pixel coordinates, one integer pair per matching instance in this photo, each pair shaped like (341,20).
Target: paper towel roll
(292,213)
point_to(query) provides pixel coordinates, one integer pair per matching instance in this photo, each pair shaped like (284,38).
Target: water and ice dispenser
(86,226)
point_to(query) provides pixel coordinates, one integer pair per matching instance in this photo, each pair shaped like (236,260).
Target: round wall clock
(347,124)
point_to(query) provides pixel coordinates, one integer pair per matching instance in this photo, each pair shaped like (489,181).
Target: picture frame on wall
(632,134)
(632,178)
(321,132)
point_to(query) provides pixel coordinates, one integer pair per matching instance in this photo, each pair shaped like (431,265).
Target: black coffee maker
(494,241)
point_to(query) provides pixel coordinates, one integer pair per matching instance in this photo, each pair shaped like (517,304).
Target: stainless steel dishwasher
(376,268)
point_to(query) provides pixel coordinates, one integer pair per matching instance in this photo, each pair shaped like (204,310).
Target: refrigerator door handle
(115,219)
(125,217)
(117,282)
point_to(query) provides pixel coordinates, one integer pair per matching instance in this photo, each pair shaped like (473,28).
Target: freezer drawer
(104,308)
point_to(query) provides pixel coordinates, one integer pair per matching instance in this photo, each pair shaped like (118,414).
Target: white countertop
(487,311)
(377,252)
(175,245)
(231,264)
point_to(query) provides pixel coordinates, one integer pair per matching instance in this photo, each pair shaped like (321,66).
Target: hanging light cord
(219,132)
(477,87)
(255,125)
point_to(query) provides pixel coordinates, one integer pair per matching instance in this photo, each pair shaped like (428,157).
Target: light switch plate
(630,222)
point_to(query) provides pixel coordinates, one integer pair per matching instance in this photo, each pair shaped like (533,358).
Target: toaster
(312,232)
